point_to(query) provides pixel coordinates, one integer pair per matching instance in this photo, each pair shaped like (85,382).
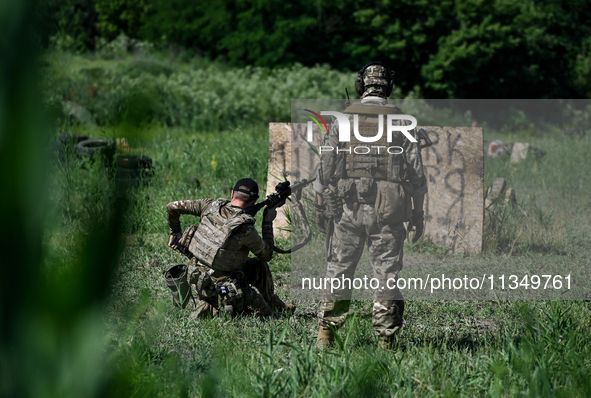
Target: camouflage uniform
(243,239)
(359,224)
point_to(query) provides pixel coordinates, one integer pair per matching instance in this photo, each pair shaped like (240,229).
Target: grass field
(102,323)
(488,348)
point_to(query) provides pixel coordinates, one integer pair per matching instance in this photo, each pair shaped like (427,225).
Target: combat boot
(204,310)
(387,343)
(325,337)
(279,306)
(262,308)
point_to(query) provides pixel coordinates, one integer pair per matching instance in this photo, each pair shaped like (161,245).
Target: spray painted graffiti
(454,203)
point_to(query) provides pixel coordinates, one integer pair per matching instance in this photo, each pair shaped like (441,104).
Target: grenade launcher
(282,191)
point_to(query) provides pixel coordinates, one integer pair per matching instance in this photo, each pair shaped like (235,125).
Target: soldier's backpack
(203,283)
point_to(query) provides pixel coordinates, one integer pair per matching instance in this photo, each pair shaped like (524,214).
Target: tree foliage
(67,24)
(450,48)
(116,16)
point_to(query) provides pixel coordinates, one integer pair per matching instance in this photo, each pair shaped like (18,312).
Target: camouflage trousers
(385,249)
(258,289)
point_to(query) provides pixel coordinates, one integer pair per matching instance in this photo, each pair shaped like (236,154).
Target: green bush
(209,97)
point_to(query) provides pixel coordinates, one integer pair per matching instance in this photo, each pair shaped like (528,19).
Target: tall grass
(194,95)
(553,207)
(51,330)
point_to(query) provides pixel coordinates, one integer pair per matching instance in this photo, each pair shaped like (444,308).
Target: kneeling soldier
(221,274)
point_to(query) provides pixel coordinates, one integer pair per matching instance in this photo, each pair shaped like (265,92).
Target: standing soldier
(221,268)
(368,196)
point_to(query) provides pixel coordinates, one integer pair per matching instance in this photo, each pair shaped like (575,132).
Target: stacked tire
(133,171)
(66,145)
(96,147)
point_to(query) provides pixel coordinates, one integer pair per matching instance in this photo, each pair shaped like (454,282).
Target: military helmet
(374,74)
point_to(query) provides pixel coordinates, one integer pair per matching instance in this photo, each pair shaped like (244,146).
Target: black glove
(321,217)
(417,221)
(269,214)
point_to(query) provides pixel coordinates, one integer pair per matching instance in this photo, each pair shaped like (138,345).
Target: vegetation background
(449,48)
(84,310)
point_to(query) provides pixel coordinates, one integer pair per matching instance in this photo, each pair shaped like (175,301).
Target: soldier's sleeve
(260,247)
(416,171)
(175,209)
(327,164)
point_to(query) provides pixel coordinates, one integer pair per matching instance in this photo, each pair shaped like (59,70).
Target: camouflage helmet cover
(374,77)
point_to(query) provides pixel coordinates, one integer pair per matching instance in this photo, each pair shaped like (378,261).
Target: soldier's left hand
(269,214)
(279,204)
(321,218)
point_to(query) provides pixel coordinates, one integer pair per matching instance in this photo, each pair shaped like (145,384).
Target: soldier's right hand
(418,222)
(174,237)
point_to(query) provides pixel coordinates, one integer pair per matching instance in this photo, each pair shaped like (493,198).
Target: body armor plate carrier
(377,164)
(212,235)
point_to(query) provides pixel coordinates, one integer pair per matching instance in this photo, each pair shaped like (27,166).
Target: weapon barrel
(302,184)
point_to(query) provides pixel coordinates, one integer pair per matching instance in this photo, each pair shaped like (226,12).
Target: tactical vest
(212,235)
(377,164)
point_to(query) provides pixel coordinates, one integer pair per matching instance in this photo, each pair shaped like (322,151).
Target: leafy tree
(70,24)
(193,24)
(450,48)
(508,50)
(403,34)
(120,16)
(582,69)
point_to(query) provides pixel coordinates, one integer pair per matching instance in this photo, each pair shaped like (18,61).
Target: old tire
(96,146)
(72,139)
(65,145)
(133,171)
(133,162)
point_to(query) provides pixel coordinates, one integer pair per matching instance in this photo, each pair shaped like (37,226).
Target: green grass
(461,348)
(552,195)
(100,327)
